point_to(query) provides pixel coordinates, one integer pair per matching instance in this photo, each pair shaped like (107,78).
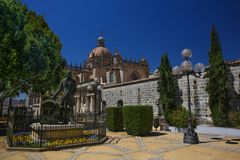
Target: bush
(178,117)
(114,119)
(167,116)
(234,119)
(138,119)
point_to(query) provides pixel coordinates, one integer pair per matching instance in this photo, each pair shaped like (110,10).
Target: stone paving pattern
(157,146)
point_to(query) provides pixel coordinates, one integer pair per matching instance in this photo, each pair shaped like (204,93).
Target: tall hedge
(167,85)
(138,119)
(218,82)
(114,119)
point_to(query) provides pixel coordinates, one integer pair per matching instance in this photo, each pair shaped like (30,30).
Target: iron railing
(24,130)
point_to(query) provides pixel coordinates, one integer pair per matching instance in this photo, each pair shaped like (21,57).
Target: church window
(84,100)
(104,105)
(120,103)
(135,75)
(111,77)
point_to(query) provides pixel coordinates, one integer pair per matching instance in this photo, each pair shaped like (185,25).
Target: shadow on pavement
(221,139)
(215,138)
(153,134)
(207,141)
(231,142)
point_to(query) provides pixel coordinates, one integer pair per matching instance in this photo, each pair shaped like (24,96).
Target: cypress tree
(217,84)
(166,84)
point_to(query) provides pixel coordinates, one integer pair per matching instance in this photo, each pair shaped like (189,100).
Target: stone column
(79,102)
(91,103)
(121,75)
(87,103)
(108,76)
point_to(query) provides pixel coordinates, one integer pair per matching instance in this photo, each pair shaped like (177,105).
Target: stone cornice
(131,82)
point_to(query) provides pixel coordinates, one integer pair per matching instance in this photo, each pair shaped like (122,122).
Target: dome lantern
(100,42)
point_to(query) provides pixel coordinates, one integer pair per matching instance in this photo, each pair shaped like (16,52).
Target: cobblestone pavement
(157,146)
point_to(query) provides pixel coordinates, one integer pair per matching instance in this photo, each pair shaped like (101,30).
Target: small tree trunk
(1,108)
(10,103)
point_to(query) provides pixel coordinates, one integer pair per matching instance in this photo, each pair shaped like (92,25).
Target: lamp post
(96,88)
(190,136)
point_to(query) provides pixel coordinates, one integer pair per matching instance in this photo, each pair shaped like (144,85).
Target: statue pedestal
(163,124)
(56,131)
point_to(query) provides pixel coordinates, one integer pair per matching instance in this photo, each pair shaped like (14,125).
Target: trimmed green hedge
(114,118)
(234,119)
(138,119)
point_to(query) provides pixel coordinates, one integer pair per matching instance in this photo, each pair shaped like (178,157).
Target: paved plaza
(157,146)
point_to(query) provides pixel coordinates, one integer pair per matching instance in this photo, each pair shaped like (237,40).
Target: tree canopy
(29,51)
(167,86)
(217,84)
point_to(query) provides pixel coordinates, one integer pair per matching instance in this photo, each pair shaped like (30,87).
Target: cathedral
(128,82)
(111,68)
(108,69)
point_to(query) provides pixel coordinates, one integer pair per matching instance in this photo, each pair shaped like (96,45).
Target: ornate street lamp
(96,88)
(190,136)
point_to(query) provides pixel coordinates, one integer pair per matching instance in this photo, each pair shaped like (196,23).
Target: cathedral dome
(100,52)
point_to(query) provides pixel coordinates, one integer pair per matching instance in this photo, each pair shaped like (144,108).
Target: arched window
(120,103)
(104,105)
(135,75)
(111,77)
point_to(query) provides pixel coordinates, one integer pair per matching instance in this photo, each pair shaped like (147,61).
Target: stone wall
(234,87)
(199,97)
(132,93)
(145,92)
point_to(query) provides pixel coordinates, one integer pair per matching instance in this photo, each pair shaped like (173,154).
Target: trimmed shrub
(138,119)
(178,117)
(167,116)
(114,119)
(234,119)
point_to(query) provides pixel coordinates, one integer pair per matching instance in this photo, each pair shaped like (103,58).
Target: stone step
(113,140)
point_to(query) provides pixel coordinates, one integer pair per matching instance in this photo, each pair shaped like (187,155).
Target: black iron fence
(3,125)
(24,130)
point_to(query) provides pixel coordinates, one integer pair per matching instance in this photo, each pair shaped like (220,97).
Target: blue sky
(143,28)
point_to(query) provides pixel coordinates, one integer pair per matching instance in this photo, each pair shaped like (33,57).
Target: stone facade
(145,92)
(199,97)
(234,85)
(127,82)
(34,101)
(111,69)
(88,99)
(139,92)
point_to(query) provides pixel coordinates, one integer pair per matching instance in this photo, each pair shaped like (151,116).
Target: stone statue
(68,87)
